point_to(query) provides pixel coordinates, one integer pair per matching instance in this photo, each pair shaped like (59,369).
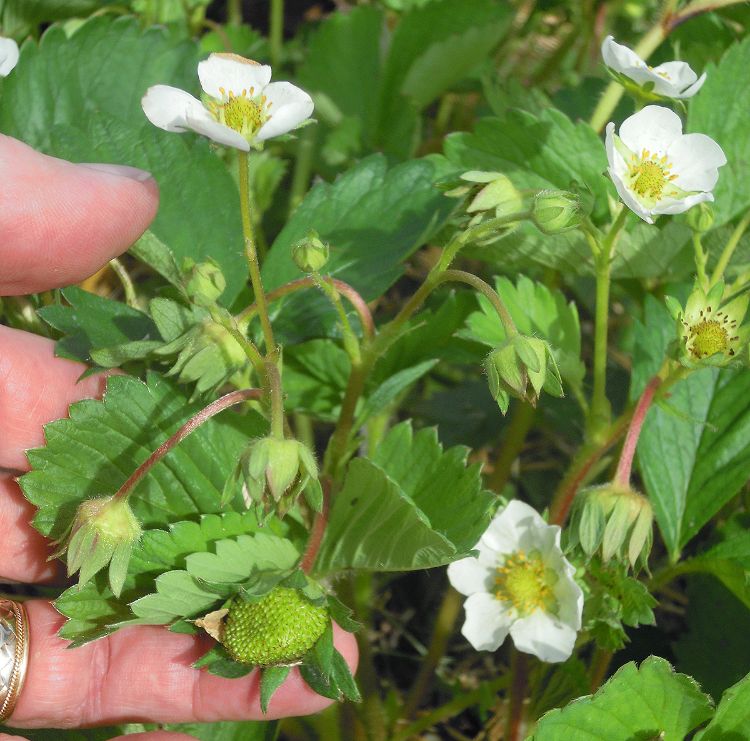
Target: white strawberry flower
(668,80)
(656,168)
(243,107)
(520,583)
(8,56)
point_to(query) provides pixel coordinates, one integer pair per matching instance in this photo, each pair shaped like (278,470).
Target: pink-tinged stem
(318,529)
(235,397)
(347,291)
(622,476)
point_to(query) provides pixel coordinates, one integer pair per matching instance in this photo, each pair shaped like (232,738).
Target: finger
(35,388)
(6,737)
(143,674)
(59,222)
(152,736)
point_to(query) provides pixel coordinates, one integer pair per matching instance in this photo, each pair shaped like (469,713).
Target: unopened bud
(615,521)
(104,531)
(700,218)
(310,254)
(556,211)
(499,195)
(521,367)
(204,281)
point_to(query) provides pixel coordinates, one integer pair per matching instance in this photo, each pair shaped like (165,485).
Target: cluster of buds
(521,367)
(103,532)
(310,254)
(273,473)
(710,332)
(614,521)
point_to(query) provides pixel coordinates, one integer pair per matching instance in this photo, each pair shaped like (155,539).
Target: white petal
(694,88)
(569,597)
(8,56)
(202,123)
(232,73)
(628,198)
(695,160)
(487,622)
(168,107)
(678,74)
(618,57)
(679,206)
(653,128)
(544,636)
(469,576)
(288,106)
(509,525)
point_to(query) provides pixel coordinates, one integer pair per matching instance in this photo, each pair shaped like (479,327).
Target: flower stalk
(729,248)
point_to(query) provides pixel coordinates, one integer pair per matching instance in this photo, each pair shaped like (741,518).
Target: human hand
(59,223)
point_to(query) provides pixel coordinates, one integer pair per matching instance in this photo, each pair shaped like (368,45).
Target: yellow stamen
(524,582)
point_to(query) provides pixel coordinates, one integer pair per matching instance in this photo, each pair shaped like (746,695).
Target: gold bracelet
(14,654)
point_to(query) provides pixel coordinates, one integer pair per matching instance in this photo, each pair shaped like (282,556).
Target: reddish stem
(622,476)
(520,671)
(347,291)
(235,397)
(318,529)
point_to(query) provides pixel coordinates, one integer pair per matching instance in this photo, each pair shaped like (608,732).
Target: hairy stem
(700,261)
(251,252)
(622,476)
(276,31)
(276,398)
(318,529)
(127,284)
(729,248)
(520,674)
(521,421)
(351,343)
(235,397)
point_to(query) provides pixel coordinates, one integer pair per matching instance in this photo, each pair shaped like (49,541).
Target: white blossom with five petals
(520,583)
(243,107)
(8,56)
(656,168)
(668,80)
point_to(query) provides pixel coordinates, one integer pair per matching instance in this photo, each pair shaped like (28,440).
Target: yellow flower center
(710,334)
(526,583)
(244,112)
(649,175)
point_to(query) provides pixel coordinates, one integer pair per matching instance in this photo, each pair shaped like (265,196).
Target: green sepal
(271,678)
(342,615)
(219,663)
(343,677)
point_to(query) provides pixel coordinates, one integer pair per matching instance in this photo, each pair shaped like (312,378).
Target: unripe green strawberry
(279,629)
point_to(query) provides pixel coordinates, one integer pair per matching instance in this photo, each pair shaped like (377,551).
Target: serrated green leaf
(695,462)
(439,482)
(708,115)
(92,322)
(732,718)
(151,250)
(178,595)
(94,451)
(112,357)
(635,702)
(367,250)
(271,678)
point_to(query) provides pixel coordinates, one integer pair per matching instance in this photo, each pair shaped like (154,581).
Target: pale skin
(59,223)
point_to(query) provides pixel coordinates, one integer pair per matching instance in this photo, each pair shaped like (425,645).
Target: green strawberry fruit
(278,629)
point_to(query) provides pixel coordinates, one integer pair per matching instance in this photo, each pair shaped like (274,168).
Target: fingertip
(60,222)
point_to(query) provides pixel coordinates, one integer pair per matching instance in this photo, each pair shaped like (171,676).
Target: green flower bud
(310,254)
(104,531)
(204,281)
(276,630)
(700,218)
(207,354)
(521,367)
(615,521)
(556,211)
(499,195)
(273,472)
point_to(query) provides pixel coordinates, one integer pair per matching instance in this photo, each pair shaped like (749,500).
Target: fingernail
(123,171)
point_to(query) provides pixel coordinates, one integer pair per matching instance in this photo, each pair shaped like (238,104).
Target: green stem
(251,253)
(599,668)
(234,12)
(228,322)
(600,411)
(302,167)
(127,284)
(277,399)
(351,343)
(729,248)
(700,260)
(276,31)
(445,623)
